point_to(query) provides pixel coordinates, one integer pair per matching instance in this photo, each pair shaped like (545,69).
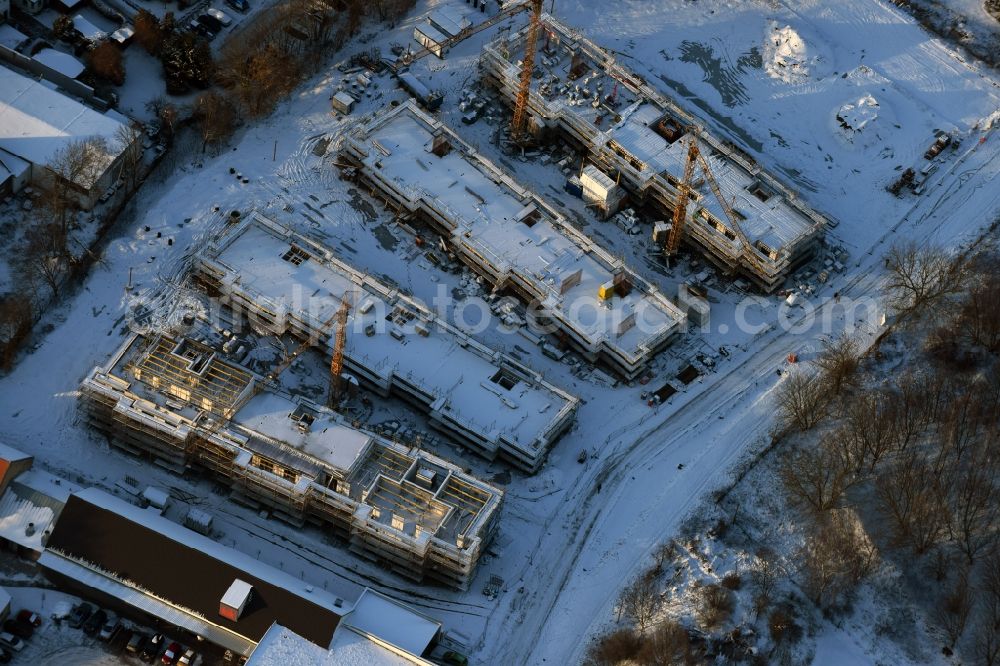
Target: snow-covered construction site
(514,239)
(488,402)
(180,402)
(641,138)
(468,340)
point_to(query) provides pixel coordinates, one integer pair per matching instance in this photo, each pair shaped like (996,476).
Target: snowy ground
(572,534)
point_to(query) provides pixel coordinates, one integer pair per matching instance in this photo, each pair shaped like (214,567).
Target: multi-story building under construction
(513,238)
(186,403)
(483,399)
(639,137)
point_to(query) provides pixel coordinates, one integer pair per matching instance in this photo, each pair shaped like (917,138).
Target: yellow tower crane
(694,154)
(337,361)
(519,126)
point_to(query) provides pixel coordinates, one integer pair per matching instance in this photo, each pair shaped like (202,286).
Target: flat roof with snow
(11,37)
(297,279)
(237,594)
(37,122)
(514,231)
(89,31)
(326,439)
(349,647)
(378,615)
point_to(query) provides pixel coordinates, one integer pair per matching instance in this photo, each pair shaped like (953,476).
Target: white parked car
(11,641)
(219,15)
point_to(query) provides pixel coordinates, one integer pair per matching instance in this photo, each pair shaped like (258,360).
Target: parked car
(19,629)
(11,641)
(200,29)
(137,643)
(219,15)
(5,656)
(241,6)
(210,22)
(29,617)
(170,655)
(110,625)
(190,658)
(80,615)
(94,623)
(152,648)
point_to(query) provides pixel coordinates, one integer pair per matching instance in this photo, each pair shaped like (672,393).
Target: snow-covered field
(770,76)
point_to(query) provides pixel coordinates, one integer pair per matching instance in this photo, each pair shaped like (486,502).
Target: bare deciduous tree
(43,262)
(839,361)
(919,277)
(216,117)
(78,164)
(15,324)
(913,497)
(147,31)
(869,432)
(802,400)
(639,601)
(816,477)
(106,61)
(837,555)
(975,503)
(764,574)
(953,608)
(667,645)
(716,606)
(616,648)
(130,137)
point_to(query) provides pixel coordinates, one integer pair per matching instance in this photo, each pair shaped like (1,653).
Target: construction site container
(606,290)
(342,102)
(431,39)
(600,190)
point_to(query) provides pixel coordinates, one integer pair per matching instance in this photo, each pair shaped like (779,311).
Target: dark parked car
(136,643)
(80,615)
(239,5)
(201,29)
(5,656)
(19,629)
(151,649)
(94,623)
(210,22)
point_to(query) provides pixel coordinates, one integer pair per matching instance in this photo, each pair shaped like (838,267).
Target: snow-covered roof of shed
(10,36)
(61,62)
(10,454)
(89,31)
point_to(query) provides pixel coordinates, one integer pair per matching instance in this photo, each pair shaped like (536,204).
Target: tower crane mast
(519,126)
(337,361)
